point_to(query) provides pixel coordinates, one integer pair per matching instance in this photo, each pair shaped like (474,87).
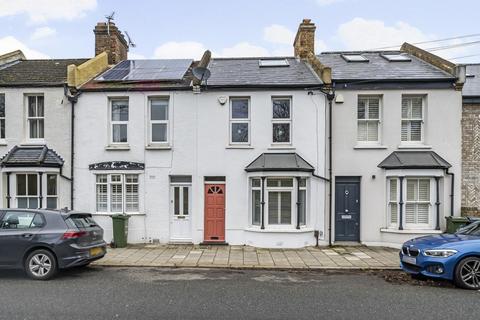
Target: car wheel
(41,265)
(467,273)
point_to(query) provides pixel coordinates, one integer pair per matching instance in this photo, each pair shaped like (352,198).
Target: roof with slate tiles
(414,160)
(279,162)
(472,83)
(31,156)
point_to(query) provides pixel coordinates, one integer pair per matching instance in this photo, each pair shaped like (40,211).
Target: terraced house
(358,147)
(35,127)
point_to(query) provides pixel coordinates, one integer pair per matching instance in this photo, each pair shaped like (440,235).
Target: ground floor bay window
(413,202)
(278,202)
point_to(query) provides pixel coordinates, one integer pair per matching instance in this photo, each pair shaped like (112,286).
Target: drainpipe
(72,99)
(452,191)
(330,94)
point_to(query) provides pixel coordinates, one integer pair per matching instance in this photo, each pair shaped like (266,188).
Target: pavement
(245,257)
(182,293)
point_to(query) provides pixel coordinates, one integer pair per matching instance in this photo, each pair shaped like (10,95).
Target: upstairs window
(239,121)
(159,120)
(2,116)
(119,121)
(412,119)
(35,116)
(368,119)
(281,120)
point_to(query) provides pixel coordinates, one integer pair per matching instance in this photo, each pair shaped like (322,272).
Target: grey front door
(347,209)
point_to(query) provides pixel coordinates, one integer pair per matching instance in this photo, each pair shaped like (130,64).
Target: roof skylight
(396,57)
(354,58)
(273,63)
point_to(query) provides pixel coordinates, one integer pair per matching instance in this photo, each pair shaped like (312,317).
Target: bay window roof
(279,162)
(414,160)
(31,156)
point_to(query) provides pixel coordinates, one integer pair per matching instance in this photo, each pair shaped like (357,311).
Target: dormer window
(354,58)
(396,57)
(273,63)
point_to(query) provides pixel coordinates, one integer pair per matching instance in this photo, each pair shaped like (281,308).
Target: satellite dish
(201,73)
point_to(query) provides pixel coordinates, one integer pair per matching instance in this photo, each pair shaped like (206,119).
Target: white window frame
(409,120)
(27,196)
(117,122)
(368,119)
(152,122)
(305,189)
(51,196)
(239,120)
(34,118)
(282,120)
(430,202)
(3,119)
(123,184)
(252,209)
(390,202)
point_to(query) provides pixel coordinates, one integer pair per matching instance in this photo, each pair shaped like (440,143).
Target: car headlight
(441,253)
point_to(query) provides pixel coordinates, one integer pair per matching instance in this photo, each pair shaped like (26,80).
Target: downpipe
(452,191)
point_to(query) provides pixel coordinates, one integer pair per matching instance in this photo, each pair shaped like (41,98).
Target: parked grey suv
(44,241)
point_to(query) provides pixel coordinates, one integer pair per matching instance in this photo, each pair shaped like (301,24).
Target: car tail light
(73,234)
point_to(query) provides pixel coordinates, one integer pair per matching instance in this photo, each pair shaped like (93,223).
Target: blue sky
(181,28)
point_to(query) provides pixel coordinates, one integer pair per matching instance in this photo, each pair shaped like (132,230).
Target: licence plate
(96,251)
(410,260)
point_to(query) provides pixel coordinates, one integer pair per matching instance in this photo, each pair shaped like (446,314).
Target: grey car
(43,241)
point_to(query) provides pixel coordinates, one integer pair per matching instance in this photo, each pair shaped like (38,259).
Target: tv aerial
(201,74)
(109,19)
(130,41)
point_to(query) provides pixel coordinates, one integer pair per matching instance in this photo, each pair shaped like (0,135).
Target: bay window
(52,193)
(117,193)
(285,201)
(27,191)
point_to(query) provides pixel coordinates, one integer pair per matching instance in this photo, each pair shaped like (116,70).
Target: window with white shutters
(368,119)
(117,193)
(393,200)
(417,204)
(412,119)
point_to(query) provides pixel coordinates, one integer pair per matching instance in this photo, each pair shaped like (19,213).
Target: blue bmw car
(453,257)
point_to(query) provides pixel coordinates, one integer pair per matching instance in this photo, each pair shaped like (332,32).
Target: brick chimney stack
(305,39)
(111,40)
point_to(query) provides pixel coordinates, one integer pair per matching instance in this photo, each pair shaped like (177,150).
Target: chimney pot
(304,43)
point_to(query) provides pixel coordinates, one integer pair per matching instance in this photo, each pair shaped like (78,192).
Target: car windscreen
(472,229)
(81,221)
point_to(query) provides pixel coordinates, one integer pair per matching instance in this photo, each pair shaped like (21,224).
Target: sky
(185,28)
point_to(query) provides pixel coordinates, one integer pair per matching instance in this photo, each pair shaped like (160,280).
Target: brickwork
(110,39)
(471,160)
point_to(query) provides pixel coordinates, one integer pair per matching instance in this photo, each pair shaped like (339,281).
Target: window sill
(281,147)
(282,230)
(3,142)
(239,147)
(109,214)
(370,146)
(411,231)
(414,146)
(158,147)
(37,142)
(119,147)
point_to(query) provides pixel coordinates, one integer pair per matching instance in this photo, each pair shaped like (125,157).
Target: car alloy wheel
(40,265)
(467,274)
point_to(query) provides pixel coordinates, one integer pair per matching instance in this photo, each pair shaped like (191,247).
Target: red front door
(215,212)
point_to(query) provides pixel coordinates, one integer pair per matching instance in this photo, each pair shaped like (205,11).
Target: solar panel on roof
(136,70)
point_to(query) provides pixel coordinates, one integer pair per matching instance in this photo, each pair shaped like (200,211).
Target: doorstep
(245,257)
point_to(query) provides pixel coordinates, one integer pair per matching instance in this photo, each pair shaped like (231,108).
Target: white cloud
(365,34)
(276,33)
(9,44)
(244,49)
(43,32)
(186,49)
(40,11)
(327,2)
